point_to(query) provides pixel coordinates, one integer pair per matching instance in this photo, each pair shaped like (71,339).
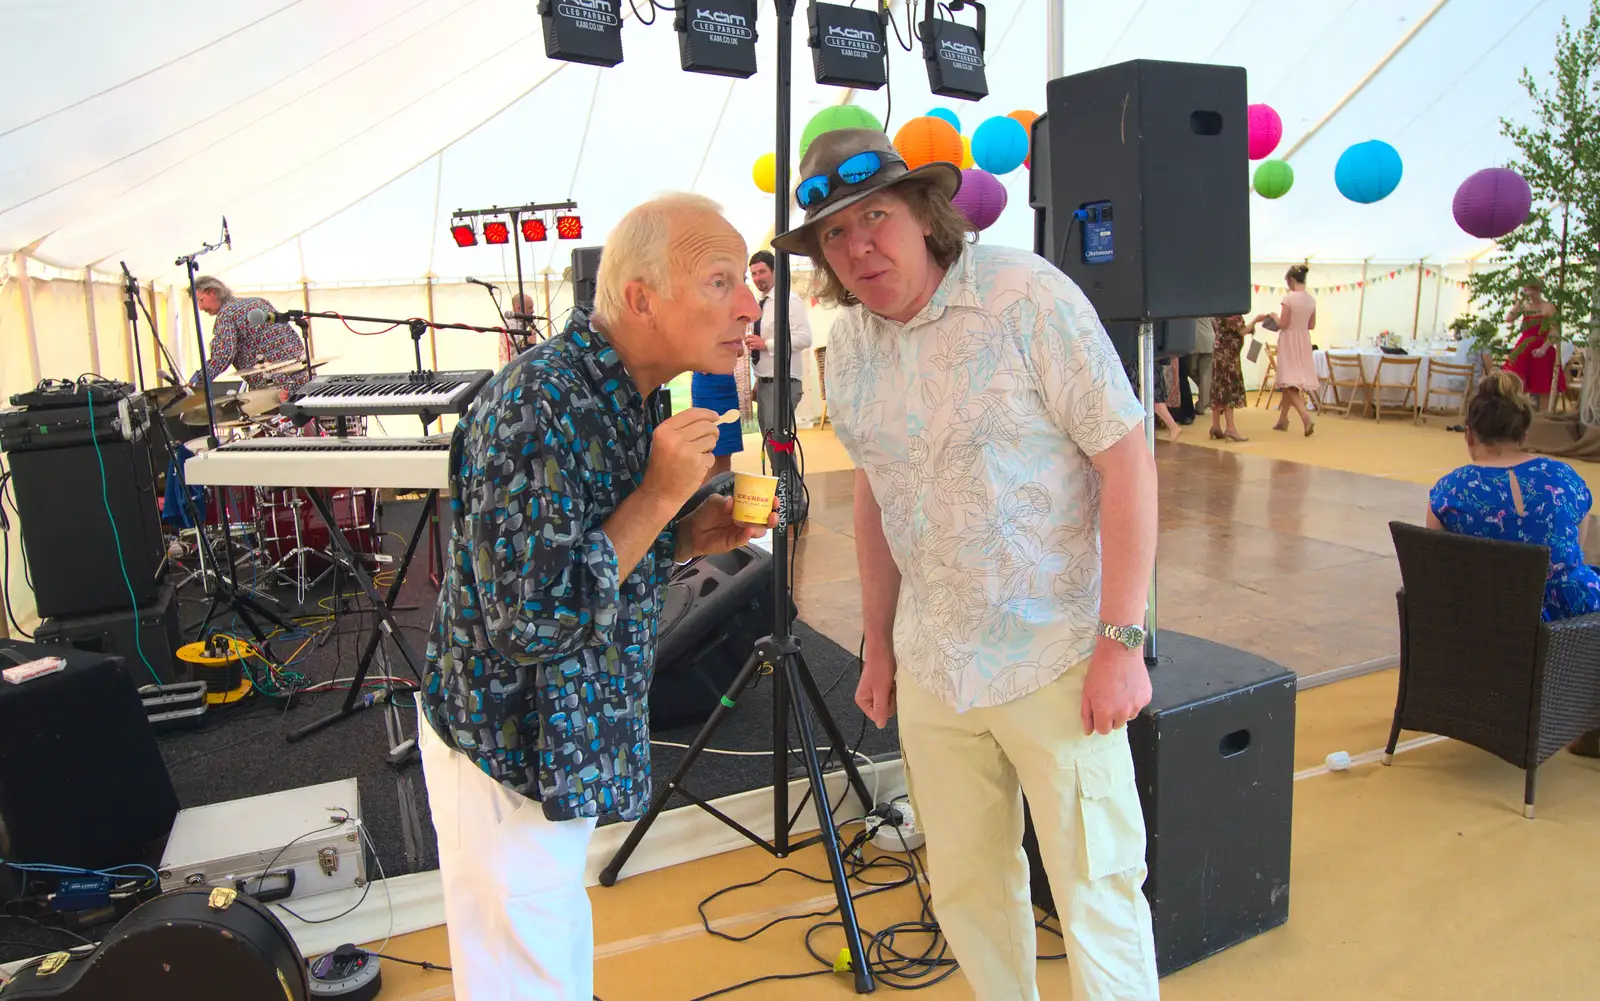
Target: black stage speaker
(1214,758)
(82,782)
(714,612)
(585,269)
(73,551)
(1173,339)
(155,630)
(1149,186)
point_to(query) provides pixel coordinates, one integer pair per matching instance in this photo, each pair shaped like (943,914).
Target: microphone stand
(793,684)
(130,289)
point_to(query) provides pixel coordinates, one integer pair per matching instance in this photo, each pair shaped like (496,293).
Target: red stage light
(496,232)
(569,227)
(464,234)
(533,231)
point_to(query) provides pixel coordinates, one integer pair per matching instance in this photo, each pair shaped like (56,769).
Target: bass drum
(188,944)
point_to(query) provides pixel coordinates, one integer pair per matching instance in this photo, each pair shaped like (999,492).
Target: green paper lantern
(838,116)
(1273,179)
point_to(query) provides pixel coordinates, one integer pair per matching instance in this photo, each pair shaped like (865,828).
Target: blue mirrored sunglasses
(852,171)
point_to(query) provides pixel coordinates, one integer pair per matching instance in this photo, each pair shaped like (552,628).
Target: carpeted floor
(243,752)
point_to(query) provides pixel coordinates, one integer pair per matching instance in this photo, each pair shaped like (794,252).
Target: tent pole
(1361,305)
(30,344)
(1055,21)
(1416,311)
(94,331)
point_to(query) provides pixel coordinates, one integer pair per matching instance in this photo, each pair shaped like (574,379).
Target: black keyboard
(426,395)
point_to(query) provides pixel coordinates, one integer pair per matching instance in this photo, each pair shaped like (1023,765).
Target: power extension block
(901,833)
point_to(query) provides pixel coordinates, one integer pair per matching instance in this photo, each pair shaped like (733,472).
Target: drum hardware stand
(227,586)
(791,678)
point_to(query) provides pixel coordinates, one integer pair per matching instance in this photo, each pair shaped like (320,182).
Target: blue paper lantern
(1368,172)
(947,115)
(1000,145)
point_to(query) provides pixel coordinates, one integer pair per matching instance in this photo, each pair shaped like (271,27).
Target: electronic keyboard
(426,394)
(396,463)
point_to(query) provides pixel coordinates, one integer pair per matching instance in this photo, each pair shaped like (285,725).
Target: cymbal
(160,396)
(290,365)
(193,410)
(261,369)
(258,402)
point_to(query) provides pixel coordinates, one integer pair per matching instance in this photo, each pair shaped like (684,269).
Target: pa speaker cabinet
(712,616)
(82,781)
(1155,156)
(1213,755)
(154,631)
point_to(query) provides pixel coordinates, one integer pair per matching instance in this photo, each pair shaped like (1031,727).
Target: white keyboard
(396,463)
(428,394)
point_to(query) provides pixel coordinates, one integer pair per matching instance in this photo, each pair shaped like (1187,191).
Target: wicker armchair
(1476,661)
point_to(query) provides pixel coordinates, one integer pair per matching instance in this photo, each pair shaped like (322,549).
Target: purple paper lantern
(1266,129)
(981,199)
(1492,203)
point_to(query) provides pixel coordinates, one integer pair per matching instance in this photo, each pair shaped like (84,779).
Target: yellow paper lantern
(966,152)
(765,172)
(928,140)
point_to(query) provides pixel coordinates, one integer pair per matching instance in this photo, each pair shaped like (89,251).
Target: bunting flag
(1379,279)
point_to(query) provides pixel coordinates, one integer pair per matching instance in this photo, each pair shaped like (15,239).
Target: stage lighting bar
(849,45)
(496,232)
(954,53)
(535,231)
(717,37)
(582,31)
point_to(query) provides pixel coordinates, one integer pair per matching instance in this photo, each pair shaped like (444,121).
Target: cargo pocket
(1113,824)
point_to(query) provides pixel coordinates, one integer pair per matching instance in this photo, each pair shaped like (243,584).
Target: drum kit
(280,536)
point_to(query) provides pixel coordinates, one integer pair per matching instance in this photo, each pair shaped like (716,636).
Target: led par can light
(582,31)
(954,54)
(847,45)
(717,37)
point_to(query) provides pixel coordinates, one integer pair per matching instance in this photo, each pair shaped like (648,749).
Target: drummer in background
(241,345)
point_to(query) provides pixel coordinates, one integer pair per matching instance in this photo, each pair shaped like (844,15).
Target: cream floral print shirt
(974,423)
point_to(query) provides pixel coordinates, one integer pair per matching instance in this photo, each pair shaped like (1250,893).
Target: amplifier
(64,393)
(154,630)
(1213,753)
(124,419)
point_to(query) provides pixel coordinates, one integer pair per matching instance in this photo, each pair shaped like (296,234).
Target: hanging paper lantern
(1265,128)
(1273,179)
(1367,172)
(1492,203)
(966,153)
(1026,120)
(947,115)
(981,199)
(837,116)
(928,140)
(1000,145)
(765,172)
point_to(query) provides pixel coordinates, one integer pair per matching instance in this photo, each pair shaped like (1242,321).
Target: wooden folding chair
(822,382)
(1345,372)
(1445,371)
(1269,378)
(1405,369)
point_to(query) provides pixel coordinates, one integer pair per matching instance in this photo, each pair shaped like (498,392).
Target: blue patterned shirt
(541,653)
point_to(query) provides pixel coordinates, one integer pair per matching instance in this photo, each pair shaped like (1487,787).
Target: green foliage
(1559,155)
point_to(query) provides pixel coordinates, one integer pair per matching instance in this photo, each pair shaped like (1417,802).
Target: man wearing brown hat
(1005,515)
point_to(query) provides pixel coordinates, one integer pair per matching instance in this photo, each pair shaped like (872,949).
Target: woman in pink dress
(1297,371)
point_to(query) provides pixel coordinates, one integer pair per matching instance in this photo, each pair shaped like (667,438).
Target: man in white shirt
(760,341)
(1005,517)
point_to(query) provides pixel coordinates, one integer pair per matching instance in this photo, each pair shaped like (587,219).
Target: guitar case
(198,943)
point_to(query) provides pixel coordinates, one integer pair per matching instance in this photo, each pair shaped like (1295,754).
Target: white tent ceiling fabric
(338,136)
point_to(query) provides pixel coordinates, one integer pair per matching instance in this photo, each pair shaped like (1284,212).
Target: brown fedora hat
(819,176)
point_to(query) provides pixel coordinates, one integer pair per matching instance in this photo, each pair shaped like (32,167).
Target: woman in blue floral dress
(1503,494)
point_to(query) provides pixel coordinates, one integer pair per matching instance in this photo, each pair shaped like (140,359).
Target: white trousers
(967,772)
(514,899)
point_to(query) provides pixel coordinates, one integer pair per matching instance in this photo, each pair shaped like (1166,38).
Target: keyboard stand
(403,751)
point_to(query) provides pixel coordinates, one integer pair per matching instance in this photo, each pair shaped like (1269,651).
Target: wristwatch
(1131,637)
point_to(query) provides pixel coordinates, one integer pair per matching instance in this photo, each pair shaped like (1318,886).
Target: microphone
(259,317)
(228,240)
(480,281)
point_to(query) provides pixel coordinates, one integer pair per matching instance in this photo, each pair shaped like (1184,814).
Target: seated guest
(565,489)
(1504,494)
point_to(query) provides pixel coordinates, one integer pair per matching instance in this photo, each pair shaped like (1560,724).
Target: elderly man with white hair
(239,344)
(565,496)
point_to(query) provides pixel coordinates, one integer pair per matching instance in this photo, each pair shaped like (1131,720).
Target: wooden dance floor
(1288,561)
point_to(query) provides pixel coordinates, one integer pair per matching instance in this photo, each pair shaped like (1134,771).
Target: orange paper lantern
(928,140)
(1027,119)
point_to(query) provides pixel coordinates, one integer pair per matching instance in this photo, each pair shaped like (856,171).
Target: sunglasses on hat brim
(853,170)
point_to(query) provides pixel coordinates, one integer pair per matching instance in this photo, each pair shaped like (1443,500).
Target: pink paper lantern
(1492,203)
(1266,129)
(981,199)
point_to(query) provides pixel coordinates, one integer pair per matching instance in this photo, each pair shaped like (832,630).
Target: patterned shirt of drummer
(240,344)
(974,423)
(541,653)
